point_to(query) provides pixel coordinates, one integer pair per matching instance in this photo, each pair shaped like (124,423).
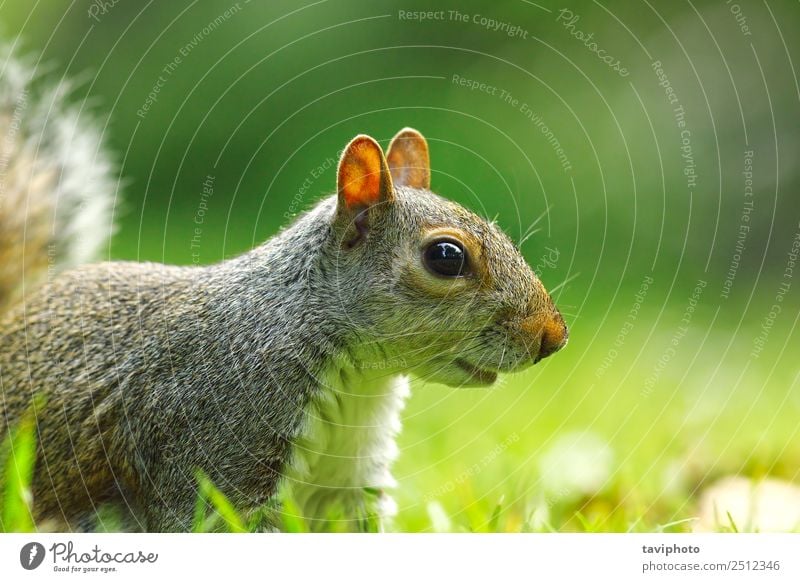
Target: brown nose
(554,336)
(549,329)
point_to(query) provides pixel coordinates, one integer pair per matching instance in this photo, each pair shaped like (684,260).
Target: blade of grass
(587,526)
(494,521)
(20,448)
(291,517)
(199,521)
(220,503)
(664,527)
(733,523)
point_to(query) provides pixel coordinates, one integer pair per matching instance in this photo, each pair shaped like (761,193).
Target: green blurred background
(623,428)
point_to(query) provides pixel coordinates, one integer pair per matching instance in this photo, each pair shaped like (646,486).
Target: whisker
(439,332)
(503,354)
(530,230)
(564,282)
(528,235)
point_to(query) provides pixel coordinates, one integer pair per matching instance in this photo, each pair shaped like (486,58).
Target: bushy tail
(56,184)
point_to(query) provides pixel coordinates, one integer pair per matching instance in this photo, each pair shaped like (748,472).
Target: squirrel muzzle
(543,334)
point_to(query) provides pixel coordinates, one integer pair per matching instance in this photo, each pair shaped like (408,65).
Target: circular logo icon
(31,555)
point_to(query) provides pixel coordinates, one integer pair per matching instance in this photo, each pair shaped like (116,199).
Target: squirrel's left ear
(409,161)
(365,186)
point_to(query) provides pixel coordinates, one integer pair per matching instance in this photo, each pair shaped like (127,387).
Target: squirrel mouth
(477,374)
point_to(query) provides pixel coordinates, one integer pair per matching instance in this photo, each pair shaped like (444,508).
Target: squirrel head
(428,286)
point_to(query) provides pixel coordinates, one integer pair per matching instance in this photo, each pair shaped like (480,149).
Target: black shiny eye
(446,258)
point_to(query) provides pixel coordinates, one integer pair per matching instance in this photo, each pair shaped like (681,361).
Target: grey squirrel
(287,364)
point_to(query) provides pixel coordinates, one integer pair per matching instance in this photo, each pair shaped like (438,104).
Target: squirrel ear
(364,182)
(408,159)
(363,177)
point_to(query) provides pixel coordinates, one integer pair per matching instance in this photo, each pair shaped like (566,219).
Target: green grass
(18,458)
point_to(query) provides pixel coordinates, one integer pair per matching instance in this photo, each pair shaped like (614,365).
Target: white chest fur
(348,445)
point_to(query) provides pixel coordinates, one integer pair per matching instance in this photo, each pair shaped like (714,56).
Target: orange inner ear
(360,174)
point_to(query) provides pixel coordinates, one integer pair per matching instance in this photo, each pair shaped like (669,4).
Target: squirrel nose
(554,337)
(550,330)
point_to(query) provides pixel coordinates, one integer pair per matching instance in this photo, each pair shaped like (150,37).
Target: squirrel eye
(446,258)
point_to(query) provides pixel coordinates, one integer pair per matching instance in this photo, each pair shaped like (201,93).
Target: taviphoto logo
(31,555)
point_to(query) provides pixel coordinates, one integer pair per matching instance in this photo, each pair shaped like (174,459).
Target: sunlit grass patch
(18,458)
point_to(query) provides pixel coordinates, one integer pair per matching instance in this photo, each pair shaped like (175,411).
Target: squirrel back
(287,364)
